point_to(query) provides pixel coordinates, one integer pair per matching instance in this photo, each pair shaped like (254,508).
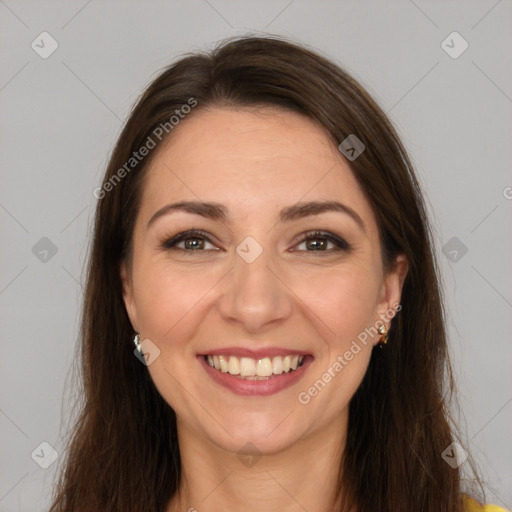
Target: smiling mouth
(247,368)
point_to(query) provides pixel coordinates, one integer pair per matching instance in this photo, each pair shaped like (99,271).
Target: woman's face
(256,290)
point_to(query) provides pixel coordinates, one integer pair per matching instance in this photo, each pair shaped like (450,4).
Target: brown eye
(321,241)
(317,244)
(191,241)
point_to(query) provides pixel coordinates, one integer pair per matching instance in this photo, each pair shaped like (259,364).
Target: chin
(264,436)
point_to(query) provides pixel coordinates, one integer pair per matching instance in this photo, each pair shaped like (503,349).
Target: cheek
(344,304)
(344,299)
(171,305)
(167,300)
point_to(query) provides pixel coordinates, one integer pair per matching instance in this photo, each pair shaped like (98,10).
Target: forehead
(251,160)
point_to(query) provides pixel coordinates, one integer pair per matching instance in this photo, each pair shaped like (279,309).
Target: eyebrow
(217,211)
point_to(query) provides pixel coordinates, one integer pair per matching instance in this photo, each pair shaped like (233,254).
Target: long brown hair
(123,453)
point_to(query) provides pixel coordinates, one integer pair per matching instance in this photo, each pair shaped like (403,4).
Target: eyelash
(170,243)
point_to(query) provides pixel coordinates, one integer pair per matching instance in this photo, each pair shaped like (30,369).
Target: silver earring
(136,341)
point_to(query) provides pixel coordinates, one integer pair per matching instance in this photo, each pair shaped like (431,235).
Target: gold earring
(382,330)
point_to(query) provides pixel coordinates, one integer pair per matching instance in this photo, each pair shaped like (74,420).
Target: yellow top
(473,506)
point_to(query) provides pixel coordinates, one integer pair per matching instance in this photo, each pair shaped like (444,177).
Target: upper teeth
(249,367)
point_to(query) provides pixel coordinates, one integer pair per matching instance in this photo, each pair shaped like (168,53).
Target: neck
(301,477)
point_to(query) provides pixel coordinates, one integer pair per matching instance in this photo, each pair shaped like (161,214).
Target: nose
(255,294)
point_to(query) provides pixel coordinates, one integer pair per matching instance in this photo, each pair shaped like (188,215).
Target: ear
(128,298)
(391,291)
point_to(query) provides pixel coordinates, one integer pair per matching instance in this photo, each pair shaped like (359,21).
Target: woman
(263,326)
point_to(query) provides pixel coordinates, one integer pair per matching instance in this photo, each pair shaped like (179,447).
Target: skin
(256,162)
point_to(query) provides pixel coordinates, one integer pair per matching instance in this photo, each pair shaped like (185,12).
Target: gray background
(61,115)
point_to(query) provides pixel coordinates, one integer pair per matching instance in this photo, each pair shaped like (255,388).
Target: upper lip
(254,353)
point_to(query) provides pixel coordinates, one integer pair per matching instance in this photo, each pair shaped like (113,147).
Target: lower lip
(244,387)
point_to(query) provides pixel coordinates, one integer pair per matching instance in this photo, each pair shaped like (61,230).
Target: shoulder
(472,505)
